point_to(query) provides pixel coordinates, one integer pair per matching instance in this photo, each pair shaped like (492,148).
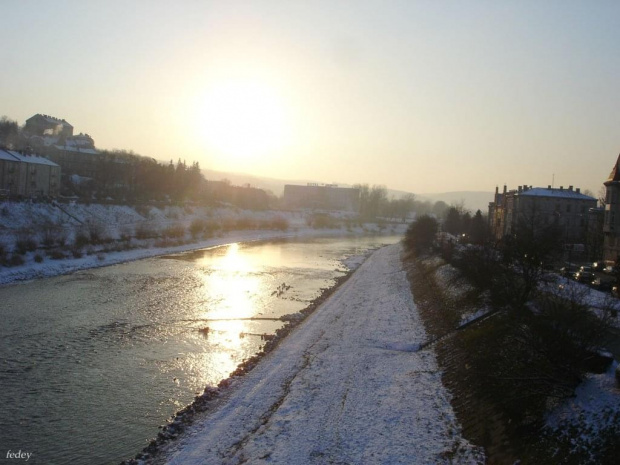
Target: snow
(595,408)
(347,386)
(118,219)
(556,193)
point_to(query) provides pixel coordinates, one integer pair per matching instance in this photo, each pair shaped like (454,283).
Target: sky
(421,96)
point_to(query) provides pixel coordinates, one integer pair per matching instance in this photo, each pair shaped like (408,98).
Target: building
(611,221)
(321,197)
(26,175)
(53,138)
(45,125)
(567,208)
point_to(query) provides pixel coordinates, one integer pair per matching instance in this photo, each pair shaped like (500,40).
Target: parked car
(608,269)
(585,274)
(568,270)
(602,284)
(598,266)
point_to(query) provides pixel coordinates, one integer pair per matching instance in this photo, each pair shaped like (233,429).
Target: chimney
(570,188)
(578,190)
(504,188)
(561,188)
(520,189)
(549,187)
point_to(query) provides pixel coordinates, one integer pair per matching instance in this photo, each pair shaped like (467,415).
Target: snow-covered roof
(50,119)
(556,193)
(11,155)
(69,148)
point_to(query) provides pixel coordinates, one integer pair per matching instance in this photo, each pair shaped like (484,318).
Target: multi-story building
(322,197)
(26,175)
(611,221)
(567,208)
(45,125)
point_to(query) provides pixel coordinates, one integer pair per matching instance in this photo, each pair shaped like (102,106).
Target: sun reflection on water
(233,289)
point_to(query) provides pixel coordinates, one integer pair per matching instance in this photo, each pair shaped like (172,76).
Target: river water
(91,363)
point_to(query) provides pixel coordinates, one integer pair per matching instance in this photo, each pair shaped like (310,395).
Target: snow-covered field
(347,386)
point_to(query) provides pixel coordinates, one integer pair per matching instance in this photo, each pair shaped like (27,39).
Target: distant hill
(271,184)
(473,200)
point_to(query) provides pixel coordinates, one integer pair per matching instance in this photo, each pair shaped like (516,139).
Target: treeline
(376,203)
(123,175)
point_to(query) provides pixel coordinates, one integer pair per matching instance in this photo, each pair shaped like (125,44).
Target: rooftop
(12,155)
(555,192)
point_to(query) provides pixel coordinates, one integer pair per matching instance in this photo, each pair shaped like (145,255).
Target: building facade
(26,175)
(46,125)
(611,220)
(569,209)
(321,197)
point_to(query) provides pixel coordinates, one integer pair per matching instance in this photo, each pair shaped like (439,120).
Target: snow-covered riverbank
(117,223)
(347,386)
(34,270)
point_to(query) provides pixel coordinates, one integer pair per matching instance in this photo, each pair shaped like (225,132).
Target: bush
(53,234)
(81,237)
(421,233)
(56,254)
(197,227)
(145,230)
(322,221)
(245,222)
(38,258)
(24,241)
(280,223)
(96,232)
(174,231)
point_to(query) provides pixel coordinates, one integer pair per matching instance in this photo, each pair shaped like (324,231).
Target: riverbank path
(348,386)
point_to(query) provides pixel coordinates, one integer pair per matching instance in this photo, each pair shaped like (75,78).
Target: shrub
(24,241)
(125,234)
(197,227)
(81,237)
(321,221)
(174,231)
(56,254)
(96,232)
(421,234)
(280,223)
(38,258)
(145,230)
(245,222)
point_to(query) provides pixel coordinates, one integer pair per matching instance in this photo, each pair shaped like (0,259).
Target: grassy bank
(509,371)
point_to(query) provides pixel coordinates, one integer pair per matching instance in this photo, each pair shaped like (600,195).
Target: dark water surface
(91,363)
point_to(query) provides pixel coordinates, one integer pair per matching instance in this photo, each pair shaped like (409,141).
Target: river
(93,362)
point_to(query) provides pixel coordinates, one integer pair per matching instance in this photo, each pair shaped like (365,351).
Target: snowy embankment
(33,270)
(347,386)
(117,224)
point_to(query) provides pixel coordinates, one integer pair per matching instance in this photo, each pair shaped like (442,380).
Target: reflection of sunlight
(233,285)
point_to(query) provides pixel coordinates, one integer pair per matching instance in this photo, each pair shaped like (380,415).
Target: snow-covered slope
(347,386)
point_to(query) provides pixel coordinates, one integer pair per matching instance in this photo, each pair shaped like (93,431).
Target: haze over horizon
(418,96)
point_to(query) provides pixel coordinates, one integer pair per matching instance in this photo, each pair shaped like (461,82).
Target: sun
(242,120)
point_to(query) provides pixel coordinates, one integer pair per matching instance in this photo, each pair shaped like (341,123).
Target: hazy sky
(424,96)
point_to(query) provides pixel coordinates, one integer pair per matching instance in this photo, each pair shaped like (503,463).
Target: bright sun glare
(244,120)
